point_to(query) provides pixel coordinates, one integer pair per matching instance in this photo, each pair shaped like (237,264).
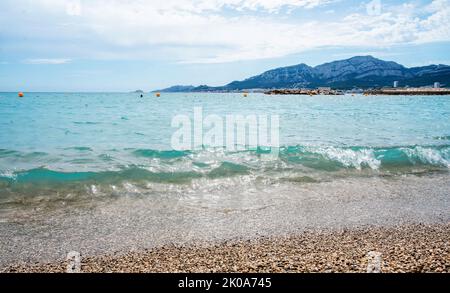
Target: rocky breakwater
(307,92)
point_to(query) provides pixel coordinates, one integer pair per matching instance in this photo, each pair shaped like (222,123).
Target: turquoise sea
(95,173)
(53,145)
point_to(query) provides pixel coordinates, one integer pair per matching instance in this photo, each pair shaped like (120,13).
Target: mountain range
(357,72)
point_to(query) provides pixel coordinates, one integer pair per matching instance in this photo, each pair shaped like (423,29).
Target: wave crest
(177,166)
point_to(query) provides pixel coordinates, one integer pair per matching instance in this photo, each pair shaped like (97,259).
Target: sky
(125,45)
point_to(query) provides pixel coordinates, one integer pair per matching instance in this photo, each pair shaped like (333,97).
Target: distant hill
(360,71)
(177,89)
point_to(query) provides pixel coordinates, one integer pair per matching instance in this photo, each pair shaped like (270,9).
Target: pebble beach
(406,248)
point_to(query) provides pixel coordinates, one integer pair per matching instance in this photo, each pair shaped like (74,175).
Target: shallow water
(222,212)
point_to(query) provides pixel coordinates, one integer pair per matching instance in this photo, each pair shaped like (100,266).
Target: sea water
(108,156)
(58,139)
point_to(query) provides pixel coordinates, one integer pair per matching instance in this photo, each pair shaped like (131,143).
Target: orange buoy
(245,95)
(20,95)
(158,95)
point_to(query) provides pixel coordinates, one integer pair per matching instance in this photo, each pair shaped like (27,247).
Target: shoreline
(127,224)
(403,248)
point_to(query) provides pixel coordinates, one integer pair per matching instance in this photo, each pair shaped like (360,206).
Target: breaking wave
(139,169)
(372,158)
(169,166)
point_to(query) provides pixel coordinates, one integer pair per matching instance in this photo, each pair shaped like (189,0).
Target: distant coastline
(384,91)
(358,74)
(410,92)
(426,91)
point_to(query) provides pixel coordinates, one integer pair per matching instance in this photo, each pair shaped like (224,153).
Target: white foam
(427,155)
(94,189)
(8,174)
(350,158)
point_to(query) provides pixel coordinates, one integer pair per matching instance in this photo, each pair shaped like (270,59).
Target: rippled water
(57,146)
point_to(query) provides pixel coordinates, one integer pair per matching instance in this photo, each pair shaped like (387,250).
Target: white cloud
(403,24)
(55,61)
(205,31)
(73,7)
(366,53)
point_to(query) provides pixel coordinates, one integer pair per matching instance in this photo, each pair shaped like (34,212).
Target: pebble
(411,248)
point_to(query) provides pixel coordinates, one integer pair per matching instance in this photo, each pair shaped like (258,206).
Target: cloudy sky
(123,45)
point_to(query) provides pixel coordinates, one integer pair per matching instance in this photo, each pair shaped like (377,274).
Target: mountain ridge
(356,72)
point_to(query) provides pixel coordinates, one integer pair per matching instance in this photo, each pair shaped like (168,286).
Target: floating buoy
(158,95)
(245,95)
(20,95)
